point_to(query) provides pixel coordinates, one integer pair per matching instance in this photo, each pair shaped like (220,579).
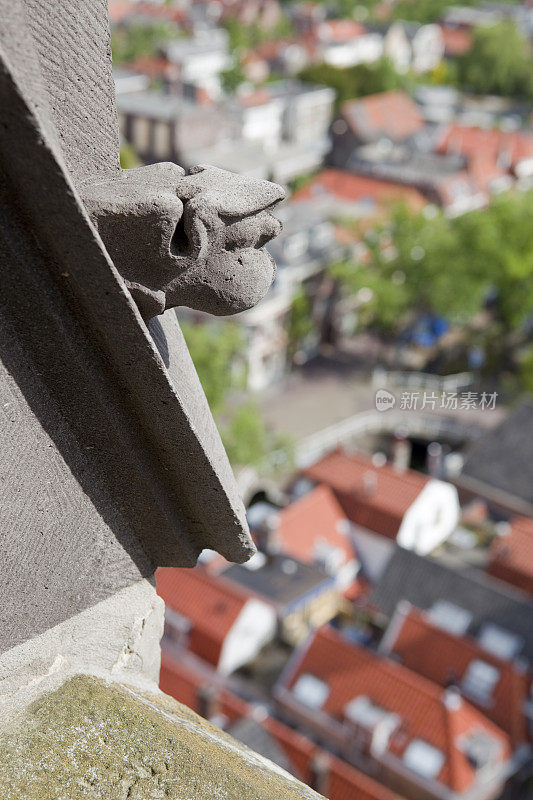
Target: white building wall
(253,629)
(364,49)
(431,518)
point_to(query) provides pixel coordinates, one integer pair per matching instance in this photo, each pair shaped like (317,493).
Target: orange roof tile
(347,186)
(511,558)
(210,603)
(501,146)
(391,114)
(183,683)
(373,497)
(317,517)
(443,657)
(340,30)
(457,41)
(348,783)
(351,671)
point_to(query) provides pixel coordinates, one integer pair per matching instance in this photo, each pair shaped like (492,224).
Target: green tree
(233,77)
(128,157)
(449,266)
(357,81)
(213,349)
(301,323)
(249,442)
(498,63)
(130,42)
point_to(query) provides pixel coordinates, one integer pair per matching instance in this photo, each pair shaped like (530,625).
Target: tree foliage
(448,267)
(499,62)
(246,37)
(213,349)
(429,10)
(357,81)
(232,77)
(130,42)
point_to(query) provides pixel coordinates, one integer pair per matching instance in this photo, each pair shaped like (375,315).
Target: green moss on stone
(96,741)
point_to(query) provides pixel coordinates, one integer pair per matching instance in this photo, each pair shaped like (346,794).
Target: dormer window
(480,680)
(423,758)
(480,749)
(450,617)
(500,642)
(310,691)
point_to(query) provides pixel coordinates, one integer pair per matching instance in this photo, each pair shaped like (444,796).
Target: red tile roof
(315,518)
(504,148)
(441,657)
(348,783)
(210,603)
(511,558)
(121,9)
(339,30)
(425,711)
(373,497)
(391,114)
(183,683)
(346,186)
(457,41)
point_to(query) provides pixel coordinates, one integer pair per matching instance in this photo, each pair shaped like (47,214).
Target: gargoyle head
(188,240)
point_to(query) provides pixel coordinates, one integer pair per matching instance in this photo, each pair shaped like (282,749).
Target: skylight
(500,642)
(363,711)
(310,691)
(450,617)
(423,758)
(479,680)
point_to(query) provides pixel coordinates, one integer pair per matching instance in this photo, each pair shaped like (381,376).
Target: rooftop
(425,582)
(375,497)
(503,458)
(209,603)
(423,712)
(506,147)
(393,115)
(276,741)
(358,189)
(278,578)
(313,522)
(511,557)
(445,659)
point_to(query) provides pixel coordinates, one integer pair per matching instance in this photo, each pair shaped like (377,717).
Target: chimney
(401,450)
(268,535)
(370,483)
(434,460)
(320,769)
(208,702)
(452,698)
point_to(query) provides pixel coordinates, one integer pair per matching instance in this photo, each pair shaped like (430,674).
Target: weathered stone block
(96,740)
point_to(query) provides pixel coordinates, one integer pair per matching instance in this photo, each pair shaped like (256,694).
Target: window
(479,748)
(500,642)
(363,711)
(479,681)
(423,758)
(450,617)
(310,691)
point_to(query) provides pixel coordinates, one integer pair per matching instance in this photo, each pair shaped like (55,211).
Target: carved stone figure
(111,462)
(187,240)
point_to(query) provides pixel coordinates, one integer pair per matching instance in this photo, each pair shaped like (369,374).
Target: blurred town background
(377,405)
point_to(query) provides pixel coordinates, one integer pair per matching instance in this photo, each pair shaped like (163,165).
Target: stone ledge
(103,741)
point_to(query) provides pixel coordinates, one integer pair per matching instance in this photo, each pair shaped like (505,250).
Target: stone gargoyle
(191,240)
